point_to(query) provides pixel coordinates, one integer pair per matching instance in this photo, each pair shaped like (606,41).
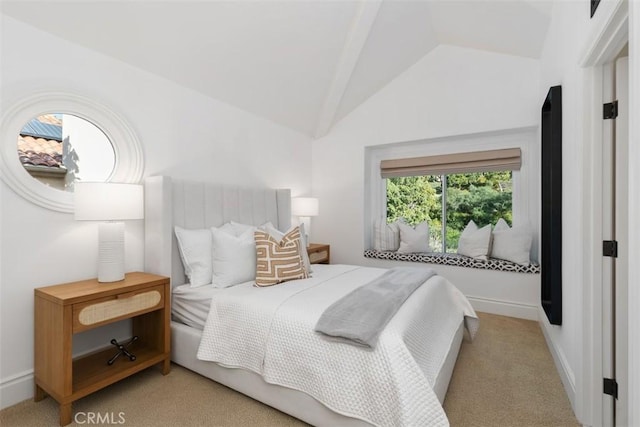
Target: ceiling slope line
(358,34)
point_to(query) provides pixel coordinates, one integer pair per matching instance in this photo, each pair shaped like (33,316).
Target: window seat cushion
(455,260)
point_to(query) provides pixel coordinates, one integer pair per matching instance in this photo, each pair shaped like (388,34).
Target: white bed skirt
(184,346)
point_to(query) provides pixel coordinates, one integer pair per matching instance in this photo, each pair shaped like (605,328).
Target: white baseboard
(562,365)
(504,308)
(16,388)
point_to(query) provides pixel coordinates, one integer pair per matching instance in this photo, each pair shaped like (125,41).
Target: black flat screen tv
(551,215)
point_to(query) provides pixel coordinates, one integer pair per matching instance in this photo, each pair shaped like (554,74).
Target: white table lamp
(98,201)
(305,208)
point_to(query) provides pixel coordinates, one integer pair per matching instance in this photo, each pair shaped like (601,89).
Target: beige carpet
(506,377)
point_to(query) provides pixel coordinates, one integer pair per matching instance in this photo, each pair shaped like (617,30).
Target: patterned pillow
(386,237)
(278,261)
(278,235)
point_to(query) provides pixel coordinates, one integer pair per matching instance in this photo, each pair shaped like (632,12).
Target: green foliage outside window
(482,197)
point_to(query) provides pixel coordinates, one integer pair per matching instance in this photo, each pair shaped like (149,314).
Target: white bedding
(270,331)
(190,305)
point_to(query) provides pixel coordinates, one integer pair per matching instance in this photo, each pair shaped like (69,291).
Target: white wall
(183,134)
(570,35)
(560,66)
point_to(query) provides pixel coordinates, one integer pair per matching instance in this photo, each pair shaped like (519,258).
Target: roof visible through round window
(59,149)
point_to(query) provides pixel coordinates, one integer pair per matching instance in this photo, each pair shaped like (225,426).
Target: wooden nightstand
(63,310)
(319,253)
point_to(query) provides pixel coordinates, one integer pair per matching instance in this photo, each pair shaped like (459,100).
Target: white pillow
(475,242)
(195,251)
(386,237)
(233,259)
(278,235)
(511,244)
(237,228)
(414,239)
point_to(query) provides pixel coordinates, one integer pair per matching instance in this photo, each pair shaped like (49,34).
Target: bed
(263,345)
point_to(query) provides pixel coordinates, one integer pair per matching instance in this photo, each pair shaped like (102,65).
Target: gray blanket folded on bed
(361,315)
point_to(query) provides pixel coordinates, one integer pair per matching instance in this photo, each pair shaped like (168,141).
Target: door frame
(609,265)
(621,302)
(604,49)
(633,360)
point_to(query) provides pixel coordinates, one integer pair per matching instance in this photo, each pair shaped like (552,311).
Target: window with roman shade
(449,190)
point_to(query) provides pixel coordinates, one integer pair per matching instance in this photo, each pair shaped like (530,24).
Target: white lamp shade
(105,201)
(305,206)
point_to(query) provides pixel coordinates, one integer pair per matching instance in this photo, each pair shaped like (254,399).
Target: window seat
(454,260)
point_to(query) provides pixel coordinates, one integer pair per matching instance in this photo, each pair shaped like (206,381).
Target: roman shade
(477,161)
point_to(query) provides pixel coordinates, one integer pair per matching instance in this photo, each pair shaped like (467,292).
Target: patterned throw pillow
(278,261)
(278,235)
(386,237)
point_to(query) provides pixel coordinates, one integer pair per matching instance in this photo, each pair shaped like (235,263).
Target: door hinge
(610,387)
(610,110)
(610,248)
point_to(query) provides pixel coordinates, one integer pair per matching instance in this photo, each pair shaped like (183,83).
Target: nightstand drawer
(94,313)
(317,257)
(319,253)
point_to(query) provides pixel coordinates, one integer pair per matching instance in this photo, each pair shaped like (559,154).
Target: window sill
(454,260)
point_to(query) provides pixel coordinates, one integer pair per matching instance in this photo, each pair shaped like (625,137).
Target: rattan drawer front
(105,310)
(319,256)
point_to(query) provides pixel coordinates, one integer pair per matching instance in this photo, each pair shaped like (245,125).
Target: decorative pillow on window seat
(414,239)
(278,261)
(511,244)
(386,237)
(475,242)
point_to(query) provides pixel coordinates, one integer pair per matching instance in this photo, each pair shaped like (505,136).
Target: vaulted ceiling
(304,64)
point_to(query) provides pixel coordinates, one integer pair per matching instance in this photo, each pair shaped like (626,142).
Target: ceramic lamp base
(111,252)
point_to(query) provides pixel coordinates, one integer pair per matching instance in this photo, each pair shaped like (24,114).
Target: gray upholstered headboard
(194,205)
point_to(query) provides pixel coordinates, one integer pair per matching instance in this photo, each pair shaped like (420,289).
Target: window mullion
(443,179)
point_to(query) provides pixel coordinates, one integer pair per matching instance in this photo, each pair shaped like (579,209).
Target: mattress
(190,306)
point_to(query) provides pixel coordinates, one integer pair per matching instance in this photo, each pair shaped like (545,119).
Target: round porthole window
(53,140)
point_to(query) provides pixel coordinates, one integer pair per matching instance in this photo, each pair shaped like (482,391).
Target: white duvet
(270,331)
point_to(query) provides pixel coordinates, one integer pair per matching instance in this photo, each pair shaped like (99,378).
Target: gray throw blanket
(361,315)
